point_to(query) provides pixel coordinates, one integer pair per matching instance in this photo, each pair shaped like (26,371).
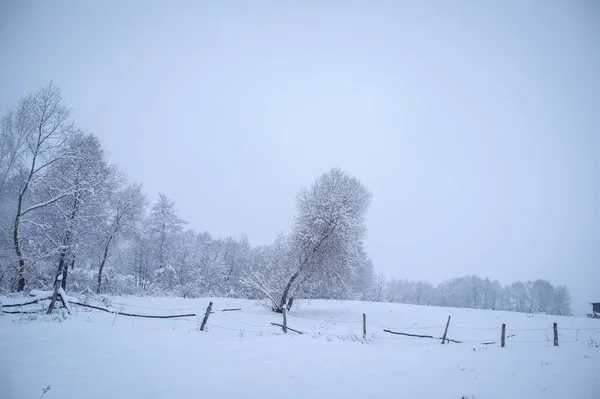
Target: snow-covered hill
(94,354)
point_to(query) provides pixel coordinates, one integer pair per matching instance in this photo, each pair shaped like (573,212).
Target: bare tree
(12,147)
(84,177)
(379,285)
(328,229)
(126,211)
(561,301)
(269,270)
(46,124)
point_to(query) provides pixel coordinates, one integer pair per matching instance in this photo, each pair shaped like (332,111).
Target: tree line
(538,296)
(71,220)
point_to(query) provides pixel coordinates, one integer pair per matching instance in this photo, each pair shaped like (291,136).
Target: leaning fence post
(364,325)
(555,327)
(446,330)
(503,337)
(284,320)
(205,319)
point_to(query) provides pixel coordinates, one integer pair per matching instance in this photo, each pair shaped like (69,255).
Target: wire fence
(519,335)
(352,334)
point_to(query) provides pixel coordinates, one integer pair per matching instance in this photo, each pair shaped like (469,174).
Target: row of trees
(70,219)
(537,296)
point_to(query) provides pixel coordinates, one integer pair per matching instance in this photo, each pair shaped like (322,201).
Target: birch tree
(12,150)
(45,124)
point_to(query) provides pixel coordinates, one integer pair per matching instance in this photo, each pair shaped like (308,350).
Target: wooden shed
(595,310)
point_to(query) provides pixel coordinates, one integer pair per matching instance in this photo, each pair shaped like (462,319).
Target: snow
(38,294)
(65,298)
(243,356)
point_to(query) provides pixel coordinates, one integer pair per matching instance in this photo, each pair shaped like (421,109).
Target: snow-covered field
(92,354)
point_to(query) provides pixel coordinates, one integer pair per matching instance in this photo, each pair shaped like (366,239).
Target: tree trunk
(63,283)
(57,282)
(68,239)
(102,263)
(60,274)
(99,287)
(286,292)
(16,241)
(17,244)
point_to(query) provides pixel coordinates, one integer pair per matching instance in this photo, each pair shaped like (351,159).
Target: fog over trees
(71,220)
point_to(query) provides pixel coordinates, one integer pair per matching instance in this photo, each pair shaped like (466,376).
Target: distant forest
(537,296)
(70,220)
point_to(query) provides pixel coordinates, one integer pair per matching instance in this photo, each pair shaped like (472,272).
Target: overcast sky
(475,124)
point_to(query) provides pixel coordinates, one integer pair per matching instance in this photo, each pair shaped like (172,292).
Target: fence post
(446,331)
(364,325)
(503,337)
(205,319)
(555,327)
(284,320)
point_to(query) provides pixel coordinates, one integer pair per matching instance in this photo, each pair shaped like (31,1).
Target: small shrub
(26,318)
(105,300)
(354,337)
(57,316)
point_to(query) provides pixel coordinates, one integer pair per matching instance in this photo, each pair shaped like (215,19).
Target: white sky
(475,124)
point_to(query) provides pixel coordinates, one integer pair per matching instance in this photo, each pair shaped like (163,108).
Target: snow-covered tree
(12,146)
(422,293)
(45,124)
(542,292)
(86,177)
(519,298)
(126,210)
(328,230)
(378,287)
(268,270)
(236,255)
(62,205)
(561,301)
(362,278)
(164,227)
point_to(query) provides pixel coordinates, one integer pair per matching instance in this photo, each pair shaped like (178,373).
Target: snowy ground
(97,355)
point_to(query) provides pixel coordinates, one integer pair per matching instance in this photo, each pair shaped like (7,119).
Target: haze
(475,124)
